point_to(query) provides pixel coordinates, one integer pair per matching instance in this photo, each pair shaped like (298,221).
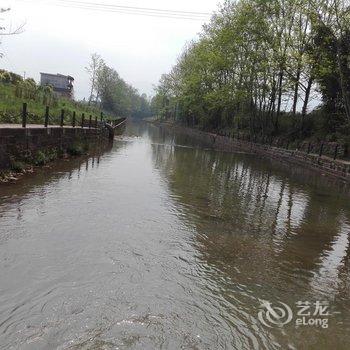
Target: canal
(160,243)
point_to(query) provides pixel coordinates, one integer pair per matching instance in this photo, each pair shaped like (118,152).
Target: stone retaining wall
(325,165)
(22,143)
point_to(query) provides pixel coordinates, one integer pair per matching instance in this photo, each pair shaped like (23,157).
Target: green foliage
(257,66)
(12,96)
(45,156)
(5,77)
(77,149)
(331,55)
(9,77)
(113,94)
(17,166)
(40,158)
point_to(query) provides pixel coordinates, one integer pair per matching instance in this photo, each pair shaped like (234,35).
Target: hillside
(13,95)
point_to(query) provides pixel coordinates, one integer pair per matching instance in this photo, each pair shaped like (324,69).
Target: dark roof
(58,75)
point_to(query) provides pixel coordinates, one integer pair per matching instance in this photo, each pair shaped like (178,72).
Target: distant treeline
(110,92)
(259,67)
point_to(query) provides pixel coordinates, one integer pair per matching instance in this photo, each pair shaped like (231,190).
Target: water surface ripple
(159,243)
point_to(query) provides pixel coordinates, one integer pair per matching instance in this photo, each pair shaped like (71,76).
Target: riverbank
(13,95)
(324,165)
(21,149)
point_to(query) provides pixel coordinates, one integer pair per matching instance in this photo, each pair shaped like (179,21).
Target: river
(159,243)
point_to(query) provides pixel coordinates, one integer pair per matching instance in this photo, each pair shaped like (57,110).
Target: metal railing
(50,119)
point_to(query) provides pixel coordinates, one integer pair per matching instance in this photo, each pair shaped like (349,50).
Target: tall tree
(93,69)
(257,65)
(112,93)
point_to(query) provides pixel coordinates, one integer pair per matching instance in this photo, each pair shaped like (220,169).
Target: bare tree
(3,30)
(93,71)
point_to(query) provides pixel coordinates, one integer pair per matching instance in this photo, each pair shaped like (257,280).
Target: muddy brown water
(159,243)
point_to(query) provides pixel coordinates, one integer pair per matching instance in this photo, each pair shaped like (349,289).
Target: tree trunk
(306,101)
(280,83)
(296,89)
(91,93)
(345,93)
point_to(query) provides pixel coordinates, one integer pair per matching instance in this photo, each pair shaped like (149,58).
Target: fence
(50,120)
(333,150)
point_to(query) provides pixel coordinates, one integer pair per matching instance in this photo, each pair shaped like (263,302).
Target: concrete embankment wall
(24,143)
(324,165)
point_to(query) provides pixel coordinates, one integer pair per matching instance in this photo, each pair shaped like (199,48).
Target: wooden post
(47,112)
(336,152)
(101,116)
(73,120)
(82,120)
(24,115)
(321,149)
(90,119)
(96,122)
(62,118)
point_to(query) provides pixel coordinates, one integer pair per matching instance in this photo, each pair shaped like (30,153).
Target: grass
(40,158)
(77,149)
(17,166)
(11,107)
(44,157)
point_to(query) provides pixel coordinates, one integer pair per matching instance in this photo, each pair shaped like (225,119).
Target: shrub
(17,166)
(51,154)
(77,150)
(40,158)
(5,77)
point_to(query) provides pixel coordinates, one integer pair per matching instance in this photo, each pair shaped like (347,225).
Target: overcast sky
(60,40)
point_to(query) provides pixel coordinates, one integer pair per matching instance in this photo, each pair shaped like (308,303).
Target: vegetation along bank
(270,73)
(37,126)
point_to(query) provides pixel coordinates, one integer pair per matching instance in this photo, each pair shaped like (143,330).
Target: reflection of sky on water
(328,277)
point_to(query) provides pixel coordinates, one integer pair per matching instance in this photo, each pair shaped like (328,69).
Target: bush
(17,166)
(77,150)
(5,77)
(51,155)
(40,158)
(10,77)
